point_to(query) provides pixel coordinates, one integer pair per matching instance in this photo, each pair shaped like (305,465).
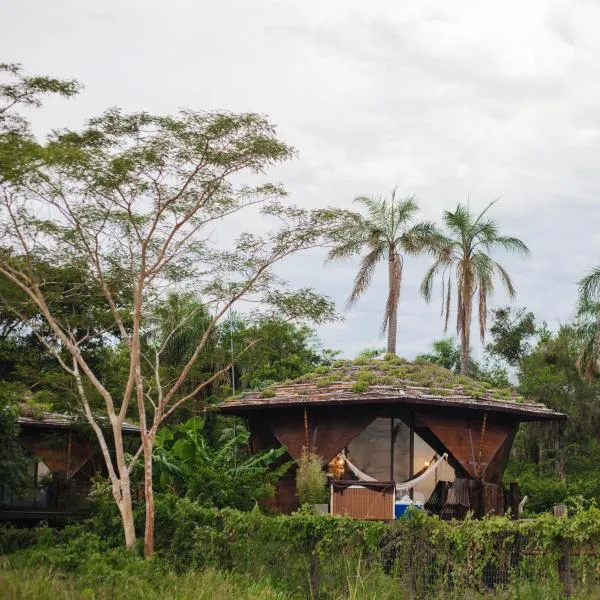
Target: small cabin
(64,456)
(438,439)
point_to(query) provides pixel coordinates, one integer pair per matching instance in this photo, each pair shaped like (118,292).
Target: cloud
(451,101)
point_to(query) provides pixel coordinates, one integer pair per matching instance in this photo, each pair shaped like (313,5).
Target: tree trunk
(393,307)
(465,325)
(122,495)
(149,497)
(464,352)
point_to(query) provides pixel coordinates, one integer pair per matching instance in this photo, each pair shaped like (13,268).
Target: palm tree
(588,326)
(388,232)
(463,257)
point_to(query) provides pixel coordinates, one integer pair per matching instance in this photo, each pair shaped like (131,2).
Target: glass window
(423,456)
(371,452)
(39,476)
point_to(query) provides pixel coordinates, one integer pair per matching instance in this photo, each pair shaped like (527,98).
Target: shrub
(310,479)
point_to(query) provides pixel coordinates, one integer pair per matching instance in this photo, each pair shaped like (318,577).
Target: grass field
(19,583)
(45,584)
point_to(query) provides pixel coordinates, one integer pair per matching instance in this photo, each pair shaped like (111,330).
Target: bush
(311,480)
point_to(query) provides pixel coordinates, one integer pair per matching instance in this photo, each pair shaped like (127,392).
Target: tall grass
(17,583)
(42,583)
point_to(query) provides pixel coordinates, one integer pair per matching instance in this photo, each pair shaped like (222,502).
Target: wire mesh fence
(511,568)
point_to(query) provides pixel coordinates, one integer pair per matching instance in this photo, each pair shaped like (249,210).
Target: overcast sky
(447,100)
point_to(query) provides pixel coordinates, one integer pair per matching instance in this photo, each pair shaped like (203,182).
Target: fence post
(314,575)
(564,562)
(515,500)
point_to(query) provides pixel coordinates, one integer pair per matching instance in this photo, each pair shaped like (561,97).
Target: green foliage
(18,149)
(13,463)
(311,480)
(417,556)
(359,387)
(115,577)
(511,331)
(223,474)
(446,353)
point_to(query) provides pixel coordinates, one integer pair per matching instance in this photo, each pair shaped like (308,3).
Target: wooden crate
(362,500)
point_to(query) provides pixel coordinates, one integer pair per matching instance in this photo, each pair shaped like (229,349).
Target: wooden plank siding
(369,502)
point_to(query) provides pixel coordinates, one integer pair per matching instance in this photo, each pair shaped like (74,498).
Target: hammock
(406,485)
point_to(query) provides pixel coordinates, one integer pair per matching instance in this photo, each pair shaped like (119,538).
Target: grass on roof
(363,374)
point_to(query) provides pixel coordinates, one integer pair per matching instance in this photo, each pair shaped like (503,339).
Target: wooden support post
(515,500)
(564,563)
(411,452)
(68,469)
(392,449)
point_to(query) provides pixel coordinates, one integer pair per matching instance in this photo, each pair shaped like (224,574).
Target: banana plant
(221,475)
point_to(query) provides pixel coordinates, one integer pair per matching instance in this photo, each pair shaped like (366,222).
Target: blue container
(400,508)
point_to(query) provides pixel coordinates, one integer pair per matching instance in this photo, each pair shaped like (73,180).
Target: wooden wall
(478,443)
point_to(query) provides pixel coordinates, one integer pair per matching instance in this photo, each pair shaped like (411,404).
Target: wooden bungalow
(63,456)
(392,419)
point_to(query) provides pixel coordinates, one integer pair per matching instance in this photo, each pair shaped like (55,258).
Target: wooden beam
(330,429)
(494,471)
(473,443)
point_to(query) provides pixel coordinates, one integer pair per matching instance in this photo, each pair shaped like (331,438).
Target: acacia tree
(462,256)
(388,232)
(18,148)
(148,203)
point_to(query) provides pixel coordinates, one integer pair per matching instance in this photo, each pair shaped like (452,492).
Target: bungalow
(64,457)
(440,438)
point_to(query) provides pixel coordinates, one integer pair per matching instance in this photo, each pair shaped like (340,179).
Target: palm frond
(427,283)
(512,244)
(404,210)
(347,248)
(365,273)
(506,280)
(483,212)
(448,299)
(589,288)
(459,221)
(377,211)
(588,333)
(423,237)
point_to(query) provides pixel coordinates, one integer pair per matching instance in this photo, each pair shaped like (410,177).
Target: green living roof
(388,380)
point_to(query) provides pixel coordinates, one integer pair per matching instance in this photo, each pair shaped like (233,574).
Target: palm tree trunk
(392,304)
(464,351)
(392,332)
(465,323)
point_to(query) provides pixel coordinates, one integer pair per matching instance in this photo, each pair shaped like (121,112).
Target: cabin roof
(49,420)
(390,380)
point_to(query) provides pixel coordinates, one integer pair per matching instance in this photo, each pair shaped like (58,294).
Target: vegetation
(220,475)
(135,197)
(304,554)
(311,480)
(423,376)
(131,580)
(463,257)
(388,232)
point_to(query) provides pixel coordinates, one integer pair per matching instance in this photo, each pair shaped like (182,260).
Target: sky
(454,102)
